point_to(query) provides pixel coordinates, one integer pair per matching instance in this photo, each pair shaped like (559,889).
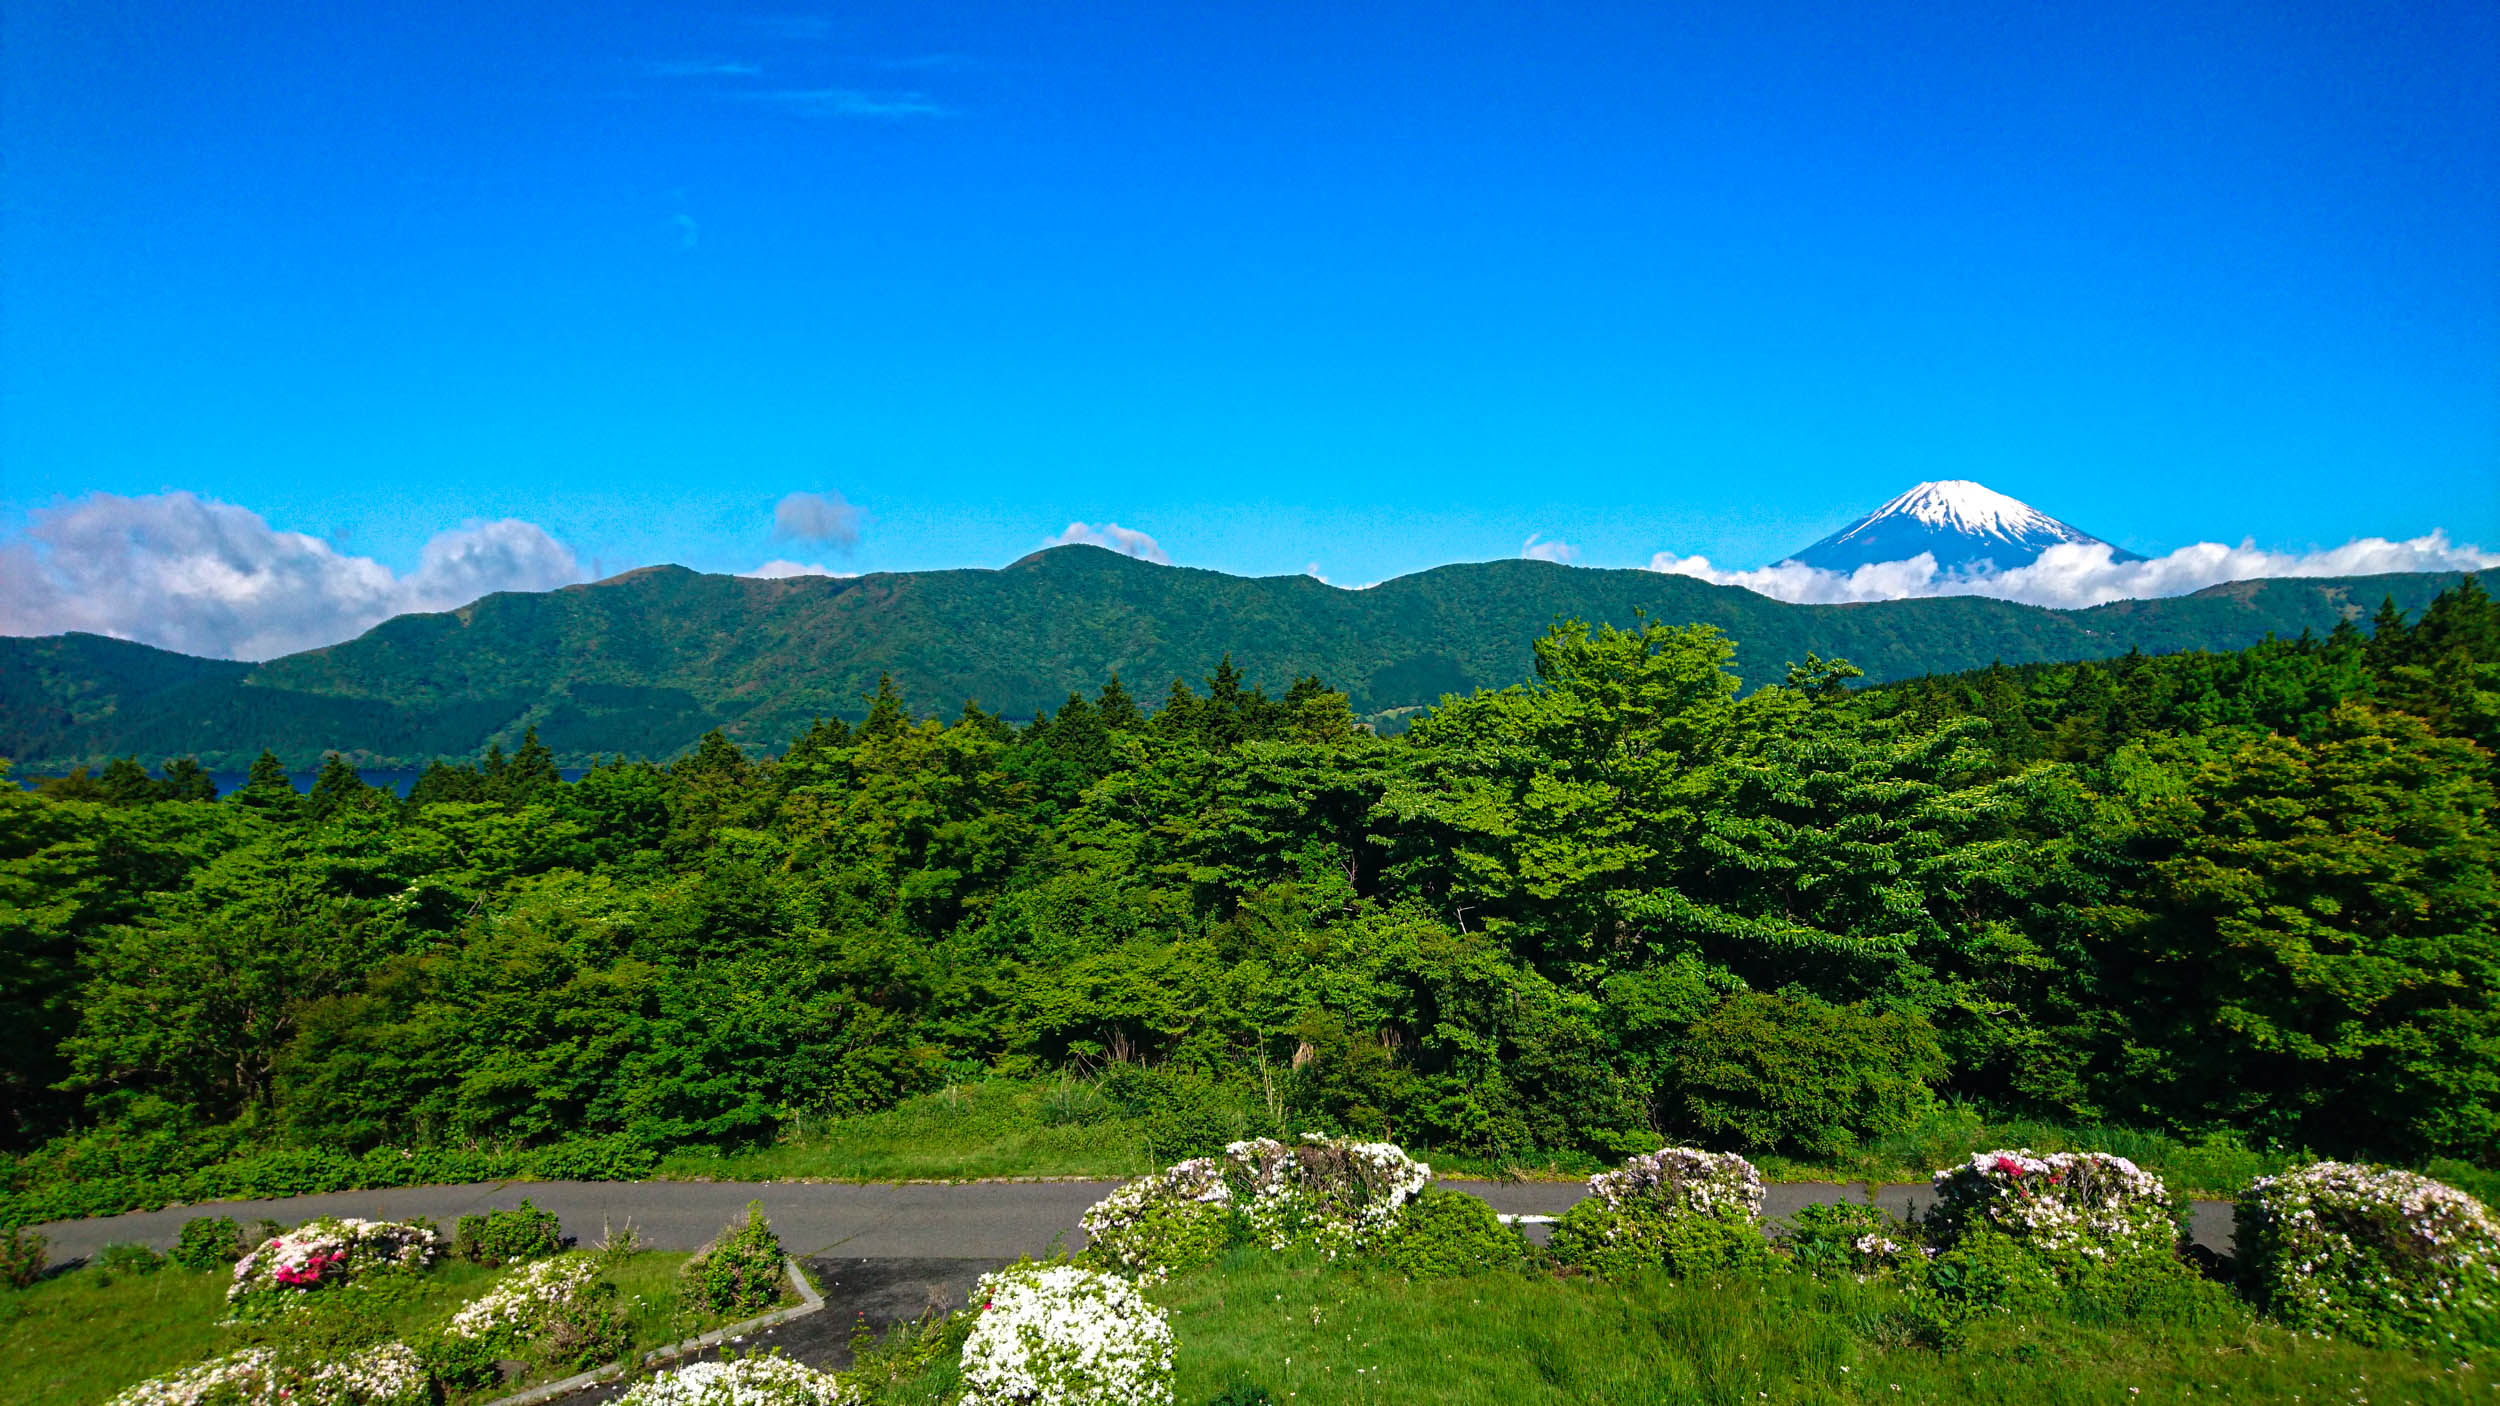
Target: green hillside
(645,662)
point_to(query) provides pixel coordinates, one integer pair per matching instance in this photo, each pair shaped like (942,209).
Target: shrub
(1064,1336)
(508,1237)
(1679,1207)
(1443,1233)
(1181,1115)
(2068,1206)
(22,1257)
(2376,1255)
(208,1242)
(766,1380)
(1780,1073)
(739,1271)
(557,1311)
(1331,1194)
(387,1375)
(1177,1218)
(1845,1238)
(124,1257)
(329,1251)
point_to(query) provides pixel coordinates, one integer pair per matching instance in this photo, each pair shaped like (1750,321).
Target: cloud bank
(204,577)
(1127,541)
(822,518)
(2074,574)
(778,569)
(1534,550)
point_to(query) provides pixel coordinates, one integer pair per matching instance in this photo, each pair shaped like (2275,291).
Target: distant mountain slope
(643,663)
(1965,526)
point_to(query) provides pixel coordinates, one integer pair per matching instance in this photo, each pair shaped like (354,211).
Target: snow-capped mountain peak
(1967,527)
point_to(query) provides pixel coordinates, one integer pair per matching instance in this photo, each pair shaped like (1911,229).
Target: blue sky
(1374,287)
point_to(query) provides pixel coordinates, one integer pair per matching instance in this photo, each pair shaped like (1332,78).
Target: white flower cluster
(1064,1336)
(2092,1203)
(1140,1224)
(744,1381)
(525,1300)
(389,1375)
(2367,1249)
(1709,1184)
(1332,1192)
(331,1251)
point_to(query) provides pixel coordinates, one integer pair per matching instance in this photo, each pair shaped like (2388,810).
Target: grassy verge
(77,1338)
(1314,1335)
(1064,1127)
(997,1128)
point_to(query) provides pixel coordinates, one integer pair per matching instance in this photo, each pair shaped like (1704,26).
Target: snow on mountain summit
(1968,526)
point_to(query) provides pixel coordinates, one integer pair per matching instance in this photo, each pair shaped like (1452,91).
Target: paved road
(969,1221)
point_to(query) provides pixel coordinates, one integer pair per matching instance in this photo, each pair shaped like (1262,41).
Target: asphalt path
(915,1221)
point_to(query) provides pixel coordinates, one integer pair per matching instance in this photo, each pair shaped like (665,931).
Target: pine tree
(267,789)
(187,780)
(1118,711)
(337,788)
(126,783)
(886,713)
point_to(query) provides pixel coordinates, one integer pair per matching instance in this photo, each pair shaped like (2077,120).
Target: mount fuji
(1970,528)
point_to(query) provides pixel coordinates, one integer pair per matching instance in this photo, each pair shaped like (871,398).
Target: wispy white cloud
(2073,574)
(851,102)
(1127,541)
(777,569)
(1313,572)
(822,518)
(1535,550)
(702,68)
(189,573)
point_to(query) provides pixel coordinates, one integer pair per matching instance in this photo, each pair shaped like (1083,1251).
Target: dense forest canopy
(2247,892)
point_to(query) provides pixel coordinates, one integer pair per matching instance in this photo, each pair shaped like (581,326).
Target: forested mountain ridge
(645,662)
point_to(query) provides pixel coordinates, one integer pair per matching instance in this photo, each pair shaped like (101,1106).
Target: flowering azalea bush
(556,1311)
(1177,1218)
(2373,1254)
(2088,1204)
(388,1375)
(744,1381)
(327,1252)
(1333,1194)
(1679,1206)
(1063,1336)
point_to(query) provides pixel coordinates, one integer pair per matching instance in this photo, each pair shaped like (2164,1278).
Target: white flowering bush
(2088,1204)
(2373,1254)
(1177,1218)
(328,1252)
(523,1302)
(744,1381)
(1679,1206)
(1058,1335)
(388,1375)
(1333,1194)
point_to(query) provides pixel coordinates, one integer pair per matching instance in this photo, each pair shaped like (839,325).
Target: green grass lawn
(1314,1335)
(77,1338)
(1062,1127)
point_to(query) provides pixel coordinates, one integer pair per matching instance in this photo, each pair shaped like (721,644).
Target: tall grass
(1314,1335)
